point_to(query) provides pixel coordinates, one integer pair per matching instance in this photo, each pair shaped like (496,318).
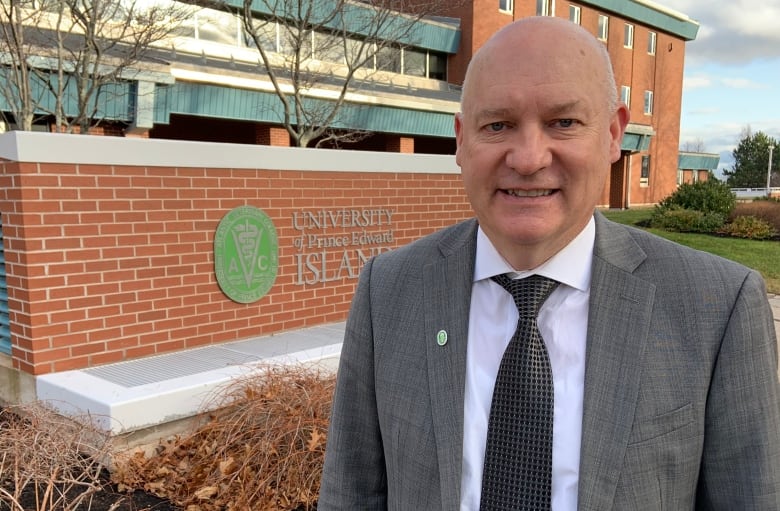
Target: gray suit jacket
(681,405)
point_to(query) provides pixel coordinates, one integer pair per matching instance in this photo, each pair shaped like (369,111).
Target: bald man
(663,359)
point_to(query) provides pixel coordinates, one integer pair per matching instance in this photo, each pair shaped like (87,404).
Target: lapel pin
(441,337)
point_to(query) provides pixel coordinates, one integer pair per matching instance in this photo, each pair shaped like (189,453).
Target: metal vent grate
(5,323)
(159,368)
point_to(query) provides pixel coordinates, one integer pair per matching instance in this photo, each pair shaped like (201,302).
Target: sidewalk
(774,301)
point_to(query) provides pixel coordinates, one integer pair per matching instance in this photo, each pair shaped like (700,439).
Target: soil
(108,499)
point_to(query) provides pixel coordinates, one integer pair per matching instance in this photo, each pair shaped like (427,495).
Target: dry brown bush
(262,449)
(768,210)
(49,462)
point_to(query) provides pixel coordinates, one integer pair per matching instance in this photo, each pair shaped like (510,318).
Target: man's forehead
(497,107)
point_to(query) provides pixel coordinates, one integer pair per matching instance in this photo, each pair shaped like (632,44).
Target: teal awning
(637,138)
(259,106)
(698,161)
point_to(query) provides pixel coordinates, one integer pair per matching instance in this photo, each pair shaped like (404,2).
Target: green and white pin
(441,337)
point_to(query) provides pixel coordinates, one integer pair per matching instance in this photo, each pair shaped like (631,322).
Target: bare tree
(21,91)
(328,45)
(694,146)
(105,43)
(84,50)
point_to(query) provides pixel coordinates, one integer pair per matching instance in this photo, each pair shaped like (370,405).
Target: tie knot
(529,293)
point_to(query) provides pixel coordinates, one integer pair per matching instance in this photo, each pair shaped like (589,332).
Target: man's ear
(617,127)
(458,135)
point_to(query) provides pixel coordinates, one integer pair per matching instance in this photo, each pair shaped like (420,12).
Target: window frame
(628,35)
(603,28)
(648,104)
(644,172)
(507,6)
(625,95)
(577,11)
(409,56)
(652,43)
(545,7)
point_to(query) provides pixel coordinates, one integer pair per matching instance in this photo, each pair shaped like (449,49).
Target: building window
(625,95)
(437,66)
(506,5)
(216,26)
(603,27)
(575,14)
(329,48)
(389,59)
(628,36)
(268,34)
(545,7)
(651,42)
(645,167)
(414,62)
(648,102)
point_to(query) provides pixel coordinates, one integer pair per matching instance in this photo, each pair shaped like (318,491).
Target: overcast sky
(732,72)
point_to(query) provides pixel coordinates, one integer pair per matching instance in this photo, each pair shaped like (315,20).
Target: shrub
(49,462)
(764,209)
(711,196)
(687,220)
(748,226)
(262,447)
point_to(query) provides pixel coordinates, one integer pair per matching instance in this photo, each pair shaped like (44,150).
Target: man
(664,359)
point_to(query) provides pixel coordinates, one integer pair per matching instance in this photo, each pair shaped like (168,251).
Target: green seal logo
(246,254)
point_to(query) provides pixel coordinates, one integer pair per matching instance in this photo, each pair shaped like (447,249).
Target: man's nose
(528,150)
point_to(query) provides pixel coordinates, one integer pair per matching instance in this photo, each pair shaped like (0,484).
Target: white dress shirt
(563,321)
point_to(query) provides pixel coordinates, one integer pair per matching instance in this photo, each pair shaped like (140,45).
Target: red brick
(108,357)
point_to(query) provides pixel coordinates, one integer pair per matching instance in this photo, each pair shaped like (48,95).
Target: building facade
(696,167)
(646,43)
(205,84)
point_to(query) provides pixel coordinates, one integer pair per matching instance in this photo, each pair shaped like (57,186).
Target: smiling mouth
(529,193)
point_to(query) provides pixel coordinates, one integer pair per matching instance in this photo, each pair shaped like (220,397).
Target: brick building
(696,167)
(205,85)
(646,42)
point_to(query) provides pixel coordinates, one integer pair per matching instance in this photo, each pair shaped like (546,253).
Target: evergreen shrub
(697,207)
(687,220)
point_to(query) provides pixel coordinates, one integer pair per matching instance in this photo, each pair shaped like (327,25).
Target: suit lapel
(618,323)
(447,293)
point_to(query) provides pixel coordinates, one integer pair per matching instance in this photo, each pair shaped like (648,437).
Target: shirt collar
(570,266)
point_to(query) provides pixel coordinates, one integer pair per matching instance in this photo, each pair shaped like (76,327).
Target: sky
(732,73)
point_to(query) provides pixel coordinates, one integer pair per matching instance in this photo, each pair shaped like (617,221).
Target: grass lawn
(763,256)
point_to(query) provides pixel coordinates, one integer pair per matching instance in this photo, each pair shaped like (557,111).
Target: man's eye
(496,126)
(565,123)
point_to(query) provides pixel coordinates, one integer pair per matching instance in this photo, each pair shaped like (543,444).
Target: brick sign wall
(112,261)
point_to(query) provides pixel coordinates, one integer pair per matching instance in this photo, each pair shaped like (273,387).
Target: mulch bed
(107,499)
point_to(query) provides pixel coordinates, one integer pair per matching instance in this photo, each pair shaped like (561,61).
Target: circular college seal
(246,254)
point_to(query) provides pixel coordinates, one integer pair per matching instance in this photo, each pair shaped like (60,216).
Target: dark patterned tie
(518,457)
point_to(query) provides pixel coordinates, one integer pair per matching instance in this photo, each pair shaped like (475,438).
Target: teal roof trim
(685,27)
(635,142)
(260,106)
(698,161)
(114,101)
(426,34)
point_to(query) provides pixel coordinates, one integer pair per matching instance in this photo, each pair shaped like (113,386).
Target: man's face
(535,142)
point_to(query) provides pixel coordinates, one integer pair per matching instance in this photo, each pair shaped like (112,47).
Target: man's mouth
(530,193)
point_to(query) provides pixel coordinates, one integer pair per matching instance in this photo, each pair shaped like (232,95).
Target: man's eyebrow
(563,108)
(503,113)
(492,113)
